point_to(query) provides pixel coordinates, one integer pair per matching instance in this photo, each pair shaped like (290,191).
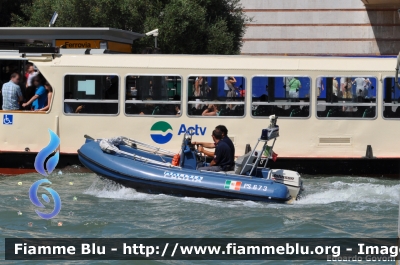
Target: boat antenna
(53,19)
(272,120)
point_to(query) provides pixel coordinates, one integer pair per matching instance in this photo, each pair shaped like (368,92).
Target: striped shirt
(11,94)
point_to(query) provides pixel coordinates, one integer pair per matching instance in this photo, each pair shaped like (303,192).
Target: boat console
(249,164)
(189,156)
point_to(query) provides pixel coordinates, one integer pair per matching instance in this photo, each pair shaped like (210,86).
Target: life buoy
(175,160)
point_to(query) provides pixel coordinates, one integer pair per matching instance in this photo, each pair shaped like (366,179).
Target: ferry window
(153,95)
(346,97)
(91,94)
(8,67)
(284,96)
(216,96)
(391,99)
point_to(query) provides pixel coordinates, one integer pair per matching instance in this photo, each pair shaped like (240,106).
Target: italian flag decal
(232,185)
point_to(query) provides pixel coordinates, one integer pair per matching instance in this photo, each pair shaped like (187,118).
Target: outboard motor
(291,179)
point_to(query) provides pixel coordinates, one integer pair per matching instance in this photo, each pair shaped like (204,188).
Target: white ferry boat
(339,115)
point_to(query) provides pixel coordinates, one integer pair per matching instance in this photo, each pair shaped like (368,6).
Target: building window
(211,96)
(346,97)
(153,95)
(391,99)
(284,96)
(91,94)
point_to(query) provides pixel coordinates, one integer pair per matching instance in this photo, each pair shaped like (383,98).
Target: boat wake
(104,188)
(340,191)
(364,190)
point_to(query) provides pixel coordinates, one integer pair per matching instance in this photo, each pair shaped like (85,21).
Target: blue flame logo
(45,152)
(35,200)
(50,166)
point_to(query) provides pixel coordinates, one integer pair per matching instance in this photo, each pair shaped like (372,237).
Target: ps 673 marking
(255,187)
(183,177)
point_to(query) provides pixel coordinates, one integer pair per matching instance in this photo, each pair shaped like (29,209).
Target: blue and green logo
(161,132)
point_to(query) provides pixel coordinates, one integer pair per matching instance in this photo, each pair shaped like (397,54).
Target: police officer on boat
(222,159)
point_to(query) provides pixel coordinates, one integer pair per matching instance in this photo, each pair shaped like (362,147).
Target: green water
(93,207)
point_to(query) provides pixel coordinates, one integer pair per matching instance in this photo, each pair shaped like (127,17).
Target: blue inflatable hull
(152,178)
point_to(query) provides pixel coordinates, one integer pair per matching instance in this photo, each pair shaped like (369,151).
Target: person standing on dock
(12,94)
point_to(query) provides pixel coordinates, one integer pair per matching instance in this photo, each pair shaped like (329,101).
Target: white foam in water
(102,188)
(224,203)
(353,192)
(292,222)
(317,193)
(108,189)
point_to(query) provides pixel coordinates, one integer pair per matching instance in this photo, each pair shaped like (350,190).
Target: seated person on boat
(225,139)
(222,160)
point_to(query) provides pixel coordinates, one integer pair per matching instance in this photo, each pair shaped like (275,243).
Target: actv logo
(50,166)
(161,131)
(161,136)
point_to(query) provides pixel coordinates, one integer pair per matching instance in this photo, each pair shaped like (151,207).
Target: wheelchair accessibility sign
(8,119)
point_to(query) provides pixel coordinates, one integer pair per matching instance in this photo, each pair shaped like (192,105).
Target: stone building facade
(322,27)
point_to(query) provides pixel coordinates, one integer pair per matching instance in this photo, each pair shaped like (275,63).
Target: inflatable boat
(151,169)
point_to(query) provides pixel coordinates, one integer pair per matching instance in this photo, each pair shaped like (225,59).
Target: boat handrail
(230,173)
(107,146)
(156,150)
(146,160)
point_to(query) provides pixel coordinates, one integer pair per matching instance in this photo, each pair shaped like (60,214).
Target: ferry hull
(387,167)
(15,163)
(311,144)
